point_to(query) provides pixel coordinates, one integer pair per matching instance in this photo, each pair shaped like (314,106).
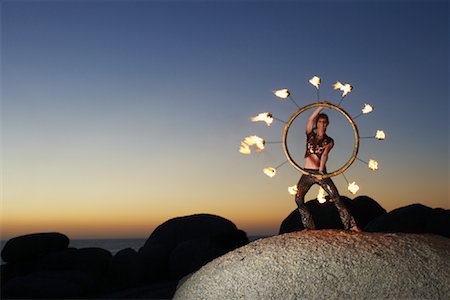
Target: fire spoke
(265,117)
(293,190)
(249,141)
(321,195)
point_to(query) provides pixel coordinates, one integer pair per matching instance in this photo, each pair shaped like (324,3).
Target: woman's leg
(303,186)
(346,218)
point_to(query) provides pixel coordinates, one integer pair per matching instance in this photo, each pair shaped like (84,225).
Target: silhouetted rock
(50,285)
(154,258)
(415,218)
(157,290)
(328,264)
(182,245)
(126,269)
(31,246)
(59,260)
(364,209)
(94,261)
(54,271)
(326,216)
(180,229)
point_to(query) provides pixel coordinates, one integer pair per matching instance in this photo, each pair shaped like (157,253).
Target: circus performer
(318,147)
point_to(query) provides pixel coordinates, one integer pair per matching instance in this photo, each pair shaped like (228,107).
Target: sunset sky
(119,115)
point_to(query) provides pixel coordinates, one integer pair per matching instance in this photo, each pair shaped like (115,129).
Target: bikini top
(316,147)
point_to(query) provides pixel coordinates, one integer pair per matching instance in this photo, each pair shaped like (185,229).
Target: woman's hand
(320,175)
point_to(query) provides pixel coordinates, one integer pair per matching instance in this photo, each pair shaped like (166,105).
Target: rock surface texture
(327,264)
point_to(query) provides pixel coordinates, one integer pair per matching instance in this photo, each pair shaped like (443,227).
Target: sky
(119,115)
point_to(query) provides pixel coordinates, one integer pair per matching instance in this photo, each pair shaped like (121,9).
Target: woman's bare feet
(355,229)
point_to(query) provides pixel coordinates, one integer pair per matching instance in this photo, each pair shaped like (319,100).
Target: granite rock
(323,264)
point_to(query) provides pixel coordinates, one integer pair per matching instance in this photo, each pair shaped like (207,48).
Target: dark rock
(415,218)
(230,240)
(177,230)
(191,255)
(14,269)
(439,223)
(49,285)
(31,246)
(212,230)
(126,269)
(364,209)
(326,216)
(60,260)
(157,290)
(94,261)
(154,258)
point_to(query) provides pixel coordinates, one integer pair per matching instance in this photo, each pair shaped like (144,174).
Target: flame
(353,187)
(345,88)
(270,172)
(321,196)
(293,190)
(244,149)
(251,141)
(367,109)
(373,165)
(283,93)
(266,117)
(315,81)
(380,135)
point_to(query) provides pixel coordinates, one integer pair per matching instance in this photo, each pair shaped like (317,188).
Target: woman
(318,146)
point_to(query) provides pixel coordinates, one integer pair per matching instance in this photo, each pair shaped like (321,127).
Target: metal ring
(331,106)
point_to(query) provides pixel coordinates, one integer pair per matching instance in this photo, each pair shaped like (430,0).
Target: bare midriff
(312,162)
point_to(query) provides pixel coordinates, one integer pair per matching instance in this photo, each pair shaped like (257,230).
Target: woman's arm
(312,117)
(324,157)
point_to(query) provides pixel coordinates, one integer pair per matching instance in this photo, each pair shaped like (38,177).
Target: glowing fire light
(380,135)
(315,81)
(244,149)
(353,187)
(373,165)
(283,93)
(270,172)
(266,117)
(251,141)
(367,109)
(293,190)
(321,196)
(345,88)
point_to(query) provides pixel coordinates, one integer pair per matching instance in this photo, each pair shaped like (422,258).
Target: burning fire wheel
(331,106)
(259,143)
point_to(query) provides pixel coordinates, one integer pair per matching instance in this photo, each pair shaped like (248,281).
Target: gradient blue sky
(118,115)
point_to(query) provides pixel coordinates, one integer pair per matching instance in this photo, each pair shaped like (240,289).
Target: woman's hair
(321,116)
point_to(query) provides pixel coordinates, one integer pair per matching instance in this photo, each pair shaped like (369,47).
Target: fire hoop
(331,106)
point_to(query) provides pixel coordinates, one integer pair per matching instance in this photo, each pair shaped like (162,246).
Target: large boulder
(69,273)
(180,229)
(414,218)
(190,255)
(323,264)
(182,245)
(126,269)
(49,285)
(364,209)
(32,246)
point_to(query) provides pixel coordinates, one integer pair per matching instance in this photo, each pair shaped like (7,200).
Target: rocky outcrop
(414,218)
(31,246)
(182,245)
(323,264)
(364,209)
(41,266)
